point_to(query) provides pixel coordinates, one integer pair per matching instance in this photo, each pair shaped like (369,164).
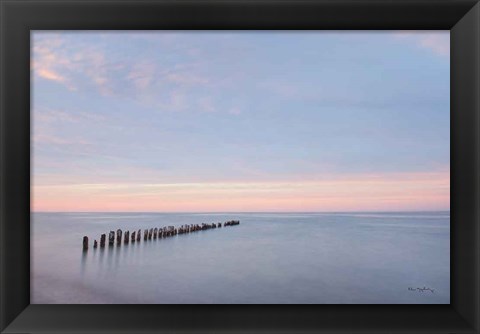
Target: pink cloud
(436,42)
(47,62)
(49,74)
(55,60)
(439,44)
(142,75)
(206,104)
(186,78)
(235,111)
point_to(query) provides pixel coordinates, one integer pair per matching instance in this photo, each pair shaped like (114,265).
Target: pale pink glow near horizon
(397,192)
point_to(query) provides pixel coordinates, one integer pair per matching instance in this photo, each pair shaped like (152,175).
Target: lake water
(298,258)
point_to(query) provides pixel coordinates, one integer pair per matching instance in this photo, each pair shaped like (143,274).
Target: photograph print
(240,167)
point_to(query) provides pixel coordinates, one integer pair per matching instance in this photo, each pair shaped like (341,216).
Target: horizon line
(216,212)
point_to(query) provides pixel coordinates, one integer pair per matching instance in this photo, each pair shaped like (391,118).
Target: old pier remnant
(154,233)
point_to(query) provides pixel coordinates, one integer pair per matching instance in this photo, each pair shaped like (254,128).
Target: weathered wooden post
(119,237)
(102,240)
(148,234)
(111,238)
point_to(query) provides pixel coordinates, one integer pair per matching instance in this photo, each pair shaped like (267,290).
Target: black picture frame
(19,17)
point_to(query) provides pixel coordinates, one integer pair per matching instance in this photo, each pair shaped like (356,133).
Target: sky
(257,121)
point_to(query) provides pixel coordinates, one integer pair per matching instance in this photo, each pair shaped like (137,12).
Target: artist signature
(421,289)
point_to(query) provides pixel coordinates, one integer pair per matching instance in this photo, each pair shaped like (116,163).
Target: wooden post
(102,240)
(95,244)
(133,237)
(139,235)
(145,234)
(155,231)
(111,238)
(119,237)
(127,237)
(85,243)
(150,234)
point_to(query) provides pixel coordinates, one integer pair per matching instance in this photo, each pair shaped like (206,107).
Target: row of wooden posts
(153,233)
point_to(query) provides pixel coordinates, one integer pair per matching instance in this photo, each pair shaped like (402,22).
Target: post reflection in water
(120,254)
(83,261)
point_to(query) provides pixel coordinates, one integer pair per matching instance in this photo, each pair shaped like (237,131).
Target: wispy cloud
(436,42)
(49,115)
(47,62)
(235,111)
(142,75)
(42,138)
(95,66)
(55,59)
(83,67)
(48,123)
(281,88)
(49,74)
(187,78)
(175,101)
(206,104)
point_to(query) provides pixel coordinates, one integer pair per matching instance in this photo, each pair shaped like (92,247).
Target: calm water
(268,258)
